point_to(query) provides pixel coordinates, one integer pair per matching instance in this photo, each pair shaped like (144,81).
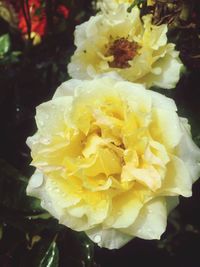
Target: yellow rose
(119,41)
(112,4)
(111,159)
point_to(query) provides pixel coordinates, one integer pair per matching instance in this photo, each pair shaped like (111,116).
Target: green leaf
(79,248)
(4,44)
(14,56)
(43,254)
(51,257)
(13,191)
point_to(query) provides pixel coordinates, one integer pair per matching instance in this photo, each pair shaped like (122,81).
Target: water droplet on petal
(37,180)
(97,239)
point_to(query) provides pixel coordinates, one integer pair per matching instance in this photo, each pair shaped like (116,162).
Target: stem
(27,17)
(49,15)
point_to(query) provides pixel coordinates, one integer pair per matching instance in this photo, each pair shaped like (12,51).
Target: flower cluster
(111,156)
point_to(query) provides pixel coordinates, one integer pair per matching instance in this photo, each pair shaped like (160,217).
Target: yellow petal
(152,220)
(178,180)
(126,208)
(106,162)
(149,177)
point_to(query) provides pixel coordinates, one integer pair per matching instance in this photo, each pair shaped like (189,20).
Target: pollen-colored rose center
(122,50)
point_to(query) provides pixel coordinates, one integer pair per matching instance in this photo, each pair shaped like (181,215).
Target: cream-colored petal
(108,238)
(172,203)
(151,221)
(53,198)
(125,208)
(170,75)
(67,88)
(160,152)
(82,217)
(94,214)
(112,5)
(189,152)
(161,101)
(177,180)
(135,96)
(165,127)
(50,116)
(78,224)
(77,70)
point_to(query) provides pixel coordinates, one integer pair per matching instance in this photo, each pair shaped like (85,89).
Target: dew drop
(97,239)
(45,141)
(37,180)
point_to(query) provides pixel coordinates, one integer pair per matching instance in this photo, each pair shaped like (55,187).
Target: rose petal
(152,220)
(108,238)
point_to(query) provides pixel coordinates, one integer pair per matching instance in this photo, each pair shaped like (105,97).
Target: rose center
(122,50)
